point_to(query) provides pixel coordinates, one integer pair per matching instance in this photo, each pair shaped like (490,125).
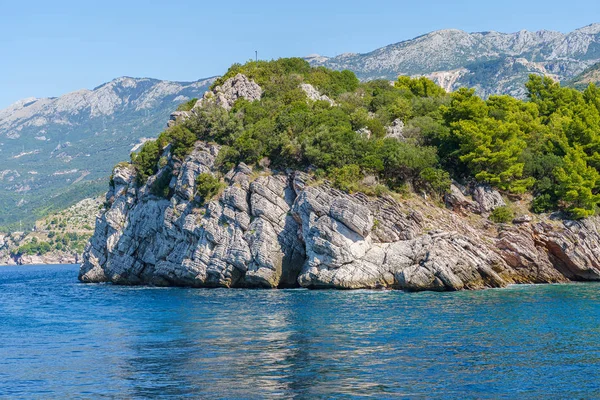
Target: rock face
(395,129)
(231,90)
(269,230)
(223,95)
(313,94)
(281,230)
(487,198)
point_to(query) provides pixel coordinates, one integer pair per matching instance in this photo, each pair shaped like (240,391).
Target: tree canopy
(548,144)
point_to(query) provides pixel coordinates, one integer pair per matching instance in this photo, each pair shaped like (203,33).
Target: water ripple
(62,339)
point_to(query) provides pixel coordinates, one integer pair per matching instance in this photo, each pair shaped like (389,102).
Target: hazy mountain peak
(592,29)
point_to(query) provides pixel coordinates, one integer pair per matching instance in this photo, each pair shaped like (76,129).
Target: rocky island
(285,175)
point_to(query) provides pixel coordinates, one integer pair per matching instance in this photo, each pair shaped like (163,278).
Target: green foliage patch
(548,145)
(208,186)
(502,215)
(188,105)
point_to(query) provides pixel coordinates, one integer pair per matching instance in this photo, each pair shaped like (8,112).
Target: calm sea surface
(61,339)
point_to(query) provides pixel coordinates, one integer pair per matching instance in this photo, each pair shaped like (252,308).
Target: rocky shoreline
(283,230)
(57,258)
(275,229)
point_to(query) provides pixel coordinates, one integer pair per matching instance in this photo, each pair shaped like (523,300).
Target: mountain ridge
(494,62)
(55,144)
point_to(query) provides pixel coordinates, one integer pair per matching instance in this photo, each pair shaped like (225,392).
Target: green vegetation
(208,186)
(590,75)
(33,247)
(502,215)
(160,187)
(188,105)
(548,145)
(68,241)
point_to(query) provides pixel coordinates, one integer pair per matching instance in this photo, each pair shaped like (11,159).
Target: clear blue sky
(49,48)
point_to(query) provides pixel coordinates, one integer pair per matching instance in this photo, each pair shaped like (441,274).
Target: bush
(542,204)
(32,248)
(160,187)
(437,180)
(181,139)
(145,162)
(347,177)
(208,186)
(188,105)
(502,215)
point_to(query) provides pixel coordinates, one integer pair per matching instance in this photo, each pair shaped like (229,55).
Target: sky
(49,48)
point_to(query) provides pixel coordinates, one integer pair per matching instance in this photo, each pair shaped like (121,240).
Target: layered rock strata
(281,229)
(271,230)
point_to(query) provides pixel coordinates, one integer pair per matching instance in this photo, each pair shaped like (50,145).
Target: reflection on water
(62,339)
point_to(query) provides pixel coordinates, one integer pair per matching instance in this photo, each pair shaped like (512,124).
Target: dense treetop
(548,145)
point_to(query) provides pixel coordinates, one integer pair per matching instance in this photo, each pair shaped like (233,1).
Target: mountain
(56,151)
(590,75)
(491,62)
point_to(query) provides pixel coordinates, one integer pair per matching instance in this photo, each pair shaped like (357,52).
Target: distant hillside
(56,151)
(59,238)
(491,62)
(590,75)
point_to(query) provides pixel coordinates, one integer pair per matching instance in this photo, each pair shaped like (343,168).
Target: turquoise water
(63,339)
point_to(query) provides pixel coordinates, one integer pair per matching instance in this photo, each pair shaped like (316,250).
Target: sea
(61,339)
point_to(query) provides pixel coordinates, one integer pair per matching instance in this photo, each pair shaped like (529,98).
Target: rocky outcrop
(224,95)
(458,201)
(395,130)
(573,247)
(282,229)
(313,94)
(232,89)
(177,117)
(487,198)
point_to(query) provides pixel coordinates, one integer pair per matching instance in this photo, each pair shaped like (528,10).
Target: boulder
(313,94)
(457,201)
(395,129)
(487,198)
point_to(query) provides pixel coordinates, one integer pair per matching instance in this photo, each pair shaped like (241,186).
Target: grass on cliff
(548,145)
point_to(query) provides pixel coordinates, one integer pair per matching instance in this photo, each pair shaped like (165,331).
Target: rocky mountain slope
(57,151)
(491,62)
(271,229)
(590,75)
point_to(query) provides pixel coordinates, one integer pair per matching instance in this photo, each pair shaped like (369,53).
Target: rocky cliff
(270,229)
